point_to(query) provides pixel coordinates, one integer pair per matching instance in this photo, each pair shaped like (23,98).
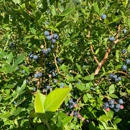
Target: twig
(107,53)
(95,58)
(56,63)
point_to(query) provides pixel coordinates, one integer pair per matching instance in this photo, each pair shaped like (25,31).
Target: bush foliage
(64,65)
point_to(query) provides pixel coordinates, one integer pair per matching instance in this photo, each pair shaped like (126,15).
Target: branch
(107,53)
(95,58)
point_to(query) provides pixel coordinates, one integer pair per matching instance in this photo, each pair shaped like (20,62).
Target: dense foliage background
(64,65)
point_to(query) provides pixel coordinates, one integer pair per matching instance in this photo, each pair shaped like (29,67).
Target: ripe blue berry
(106,105)
(35,57)
(39,74)
(114,77)
(123,51)
(71,106)
(103,16)
(49,37)
(48,49)
(111,38)
(71,101)
(61,85)
(59,60)
(116,80)
(124,68)
(75,113)
(124,30)
(55,81)
(52,46)
(111,102)
(36,75)
(127,61)
(48,87)
(116,109)
(111,106)
(120,101)
(53,40)
(55,35)
(46,33)
(119,78)
(117,106)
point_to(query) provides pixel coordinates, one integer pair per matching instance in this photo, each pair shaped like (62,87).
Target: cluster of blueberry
(71,104)
(51,37)
(114,78)
(38,75)
(124,67)
(33,56)
(46,51)
(116,106)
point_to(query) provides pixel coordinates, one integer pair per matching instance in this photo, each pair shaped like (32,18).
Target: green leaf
(66,12)
(81,87)
(39,103)
(113,96)
(16,1)
(96,8)
(112,89)
(52,1)
(44,4)
(117,120)
(20,58)
(55,98)
(89,78)
(5,115)
(10,57)
(79,67)
(117,55)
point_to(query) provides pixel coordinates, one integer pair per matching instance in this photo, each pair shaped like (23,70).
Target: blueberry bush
(64,64)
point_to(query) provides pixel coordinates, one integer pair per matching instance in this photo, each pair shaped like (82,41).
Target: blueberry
(106,105)
(39,74)
(45,51)
(111,102)
(127,61)
(92,88)
(61,85)
(124,30)
(23,71)
(116,80)
(114,77)
(46,33)
(54,74)
(34,89)
(111,106)
(71,106)
(35,57)
(123,51)
(49,37)
(67,104)
(119,78)
(48,87)
(110,76)
(71,101)
(117,106)
(103,16)
(55,35)
(120,101)
(48,49)
(116,109)
(55,81)
(36,75)
(52,46)
(31,55)
(59,60)
(75,113)
(111,38)
(124,68)
(53,40)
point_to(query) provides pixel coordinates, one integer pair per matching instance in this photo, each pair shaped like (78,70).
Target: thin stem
(46,122)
